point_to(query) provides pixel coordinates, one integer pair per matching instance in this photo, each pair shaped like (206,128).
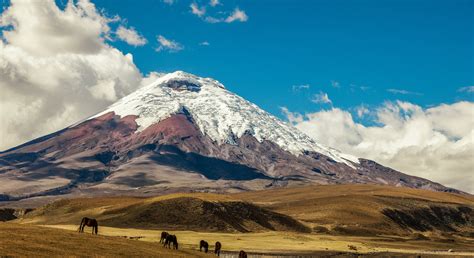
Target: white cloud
(293,118)
(168,44)
(362,110)
(321,98)
(435,143)
(56,68)
(214,2)
(468,89)
(204,43)
(335,84)
(41,28)
(237,15)
(199,11)
(300,87)
(211,19)
(170,2)
(403,92)
(130,36)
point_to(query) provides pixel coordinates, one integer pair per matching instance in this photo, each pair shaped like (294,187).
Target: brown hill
(175,213)
(371,209)
(333,209)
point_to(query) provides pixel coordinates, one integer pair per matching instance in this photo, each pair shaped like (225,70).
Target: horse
(164,234)
(203,244)
(171,239)
(217,249)
(90,223)
(242,254)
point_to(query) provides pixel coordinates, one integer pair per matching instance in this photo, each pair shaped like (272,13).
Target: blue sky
(422,47)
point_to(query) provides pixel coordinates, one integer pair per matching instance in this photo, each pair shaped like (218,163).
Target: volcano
(182,133)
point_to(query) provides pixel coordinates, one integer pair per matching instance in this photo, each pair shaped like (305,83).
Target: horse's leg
(80,225)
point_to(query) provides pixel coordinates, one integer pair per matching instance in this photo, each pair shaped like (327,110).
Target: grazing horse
(164,234)
(203,244)
(171,239)
(242,254)
(217,249)
(90,223)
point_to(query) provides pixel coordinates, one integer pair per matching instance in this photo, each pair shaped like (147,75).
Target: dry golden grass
(294,243)
(341,209)
(36,241)
(351,214)
(356,206)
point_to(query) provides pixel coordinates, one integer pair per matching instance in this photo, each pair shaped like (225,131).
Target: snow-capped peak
(220,114)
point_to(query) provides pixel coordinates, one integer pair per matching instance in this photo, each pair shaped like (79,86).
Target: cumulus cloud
(168,45)
(237,15)
(435,143)
(321,98)
(198,11)
(131,36)
(41,28)
(468,89)
(204,43)
(56,68)
(170,2)
(403,92)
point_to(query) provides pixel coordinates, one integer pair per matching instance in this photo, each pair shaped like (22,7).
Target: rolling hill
(359,210)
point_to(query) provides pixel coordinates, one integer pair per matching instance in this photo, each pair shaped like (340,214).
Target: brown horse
(164,234)
(90,223)
(205,245)
(171,239)
(242,254)
(217,249)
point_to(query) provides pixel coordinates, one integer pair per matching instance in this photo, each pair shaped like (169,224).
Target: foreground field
(35,241)
(295,243)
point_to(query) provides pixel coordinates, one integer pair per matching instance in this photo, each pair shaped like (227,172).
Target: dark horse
(217,249)
(242,254)
(203,244)
(90,223)
(164,234)
(171,239)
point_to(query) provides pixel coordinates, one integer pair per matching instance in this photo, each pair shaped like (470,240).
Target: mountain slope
(182,132)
